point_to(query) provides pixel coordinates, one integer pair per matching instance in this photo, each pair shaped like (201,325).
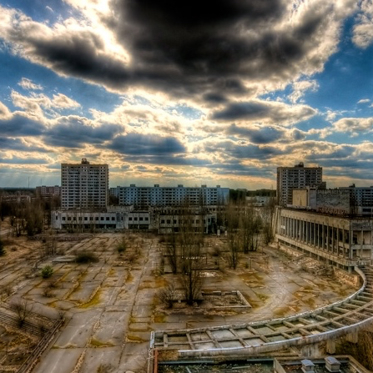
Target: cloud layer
(220,91)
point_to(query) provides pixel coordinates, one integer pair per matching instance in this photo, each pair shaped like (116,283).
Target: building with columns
(342,241)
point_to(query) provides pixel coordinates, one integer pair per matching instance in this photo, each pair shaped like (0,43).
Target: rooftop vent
(308,366)
(332,364)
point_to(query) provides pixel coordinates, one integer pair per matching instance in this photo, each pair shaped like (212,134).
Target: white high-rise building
(84,186)
(297,177)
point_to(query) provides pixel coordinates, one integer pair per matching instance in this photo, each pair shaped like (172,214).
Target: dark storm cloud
(168,160)
(209,50)
(354,171)
(73,132)
(19,125)
(16,160)
(138,144)
(237,168)
(260,110)
(17,144)
(263,135)
(215,98)
(76,55)
(243,110)
(242,151)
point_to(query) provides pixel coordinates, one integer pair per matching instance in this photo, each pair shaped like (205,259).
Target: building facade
(361,199)
(343,241)
(48,191)
(84,186)
(297,177)
(170,196)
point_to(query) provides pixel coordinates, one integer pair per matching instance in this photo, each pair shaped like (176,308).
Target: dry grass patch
(94,301)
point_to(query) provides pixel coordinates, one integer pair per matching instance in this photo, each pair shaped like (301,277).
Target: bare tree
(172,251)
(268,212)
(22,310)
(191,241)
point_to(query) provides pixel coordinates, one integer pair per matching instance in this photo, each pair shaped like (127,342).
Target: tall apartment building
(170,196)
(84,186)
(297,177)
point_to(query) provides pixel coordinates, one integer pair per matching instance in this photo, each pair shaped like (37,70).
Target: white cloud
(363,101)
(300,87)
(363,29)
(353,125)
(63,102)
(27,84)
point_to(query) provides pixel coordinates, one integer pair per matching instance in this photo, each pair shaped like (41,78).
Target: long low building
(159,220)
(170,196)
(344,241)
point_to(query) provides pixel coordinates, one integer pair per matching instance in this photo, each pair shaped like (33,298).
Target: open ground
(111,306)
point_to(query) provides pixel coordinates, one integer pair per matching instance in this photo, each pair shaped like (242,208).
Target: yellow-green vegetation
(160,282)
(262,297)
(47,271)
(129,277)
(135,339)
(97,344)
(159,318)
(281,312)
(94,301)
(310,301)
(146,285)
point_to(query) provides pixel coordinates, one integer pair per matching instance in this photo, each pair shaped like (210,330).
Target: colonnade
(331,239)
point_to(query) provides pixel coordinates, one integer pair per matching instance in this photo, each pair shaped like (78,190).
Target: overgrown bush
(86,257)
(122,246)
(47,271)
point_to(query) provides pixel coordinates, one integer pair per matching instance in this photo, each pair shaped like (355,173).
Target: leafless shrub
(133,257)
(7,290)
(61,314)
(48,290)
(167,295)
(22,310)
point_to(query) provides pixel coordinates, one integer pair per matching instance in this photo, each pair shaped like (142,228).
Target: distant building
(48,191)
(361,199)
(84,186)
(356,201)
(297,177)
(143,197)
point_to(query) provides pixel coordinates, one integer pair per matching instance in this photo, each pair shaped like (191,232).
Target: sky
(190,92)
